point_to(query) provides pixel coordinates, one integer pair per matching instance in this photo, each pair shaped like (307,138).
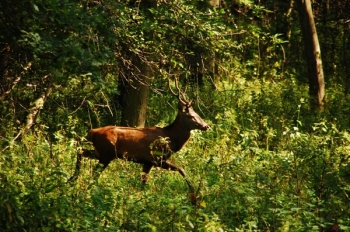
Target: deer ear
(183,106)
(190,103)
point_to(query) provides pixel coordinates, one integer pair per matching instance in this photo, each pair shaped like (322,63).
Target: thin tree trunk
(313,54)
(203,64)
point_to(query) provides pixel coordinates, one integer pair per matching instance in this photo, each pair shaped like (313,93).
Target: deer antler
(184,101)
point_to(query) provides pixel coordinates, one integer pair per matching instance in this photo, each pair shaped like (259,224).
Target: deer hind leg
(174,167)
(85,153)
(145,170)
(99,168)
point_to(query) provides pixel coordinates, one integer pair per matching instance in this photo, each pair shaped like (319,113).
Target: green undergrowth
(268,164)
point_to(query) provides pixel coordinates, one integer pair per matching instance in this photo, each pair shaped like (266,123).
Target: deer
(150,146)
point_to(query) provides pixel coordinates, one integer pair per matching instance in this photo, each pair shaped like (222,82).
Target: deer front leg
(174,167)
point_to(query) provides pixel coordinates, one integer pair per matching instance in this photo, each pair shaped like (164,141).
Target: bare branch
(81,104)
(34,111)
(16,81)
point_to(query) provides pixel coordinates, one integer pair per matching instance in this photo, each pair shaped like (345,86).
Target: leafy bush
(257,169)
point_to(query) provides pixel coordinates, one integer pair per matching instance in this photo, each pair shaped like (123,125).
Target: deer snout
(206,127)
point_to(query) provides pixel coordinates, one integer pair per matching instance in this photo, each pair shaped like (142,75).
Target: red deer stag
(150,146)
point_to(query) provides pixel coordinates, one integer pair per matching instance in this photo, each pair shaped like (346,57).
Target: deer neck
(178,134)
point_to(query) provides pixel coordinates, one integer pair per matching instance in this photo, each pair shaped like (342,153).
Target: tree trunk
(313,54)
(203,63)
(134,90)
(135,76)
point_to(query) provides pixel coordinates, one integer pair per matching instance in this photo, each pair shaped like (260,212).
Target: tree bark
(313,54)
(135,77)
(134,90)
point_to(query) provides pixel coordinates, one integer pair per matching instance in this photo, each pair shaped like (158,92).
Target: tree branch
(34,111)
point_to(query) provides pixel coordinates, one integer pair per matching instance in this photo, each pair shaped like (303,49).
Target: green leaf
(36,7)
